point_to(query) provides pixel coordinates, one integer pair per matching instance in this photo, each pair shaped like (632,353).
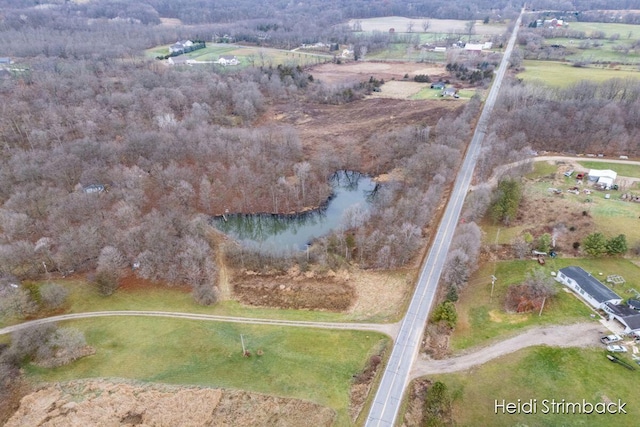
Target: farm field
(543,373)
(562,74)
(399,24)
(310,364)
(626,31)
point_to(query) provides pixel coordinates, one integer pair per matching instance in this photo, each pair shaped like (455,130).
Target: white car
(610,339)
(615,348)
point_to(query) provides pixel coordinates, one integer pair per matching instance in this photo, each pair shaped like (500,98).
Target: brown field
(399,24)
(358,71)
(99,402)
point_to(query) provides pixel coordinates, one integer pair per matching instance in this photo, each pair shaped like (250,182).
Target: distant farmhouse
(180,46)
(225,60)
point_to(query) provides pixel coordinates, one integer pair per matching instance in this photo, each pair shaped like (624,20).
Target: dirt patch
(364,294)
(133,283)
(294,292)
(96,402)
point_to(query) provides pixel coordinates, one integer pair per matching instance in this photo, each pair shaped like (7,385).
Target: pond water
(294,232)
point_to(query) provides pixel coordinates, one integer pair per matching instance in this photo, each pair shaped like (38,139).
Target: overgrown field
(543,373)
(310,364)
(563,74)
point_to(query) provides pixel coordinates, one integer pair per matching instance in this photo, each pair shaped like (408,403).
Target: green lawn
(627,32)
(621,168)
(562,74)
(304,363)
(543,373)
(482,318)
(84,298)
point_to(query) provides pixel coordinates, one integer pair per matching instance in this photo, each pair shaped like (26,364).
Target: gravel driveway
(577,335)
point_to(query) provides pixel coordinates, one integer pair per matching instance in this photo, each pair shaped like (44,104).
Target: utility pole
(493,282)
(244,351)
(542,306)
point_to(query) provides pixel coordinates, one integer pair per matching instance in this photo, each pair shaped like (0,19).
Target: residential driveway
(577,335)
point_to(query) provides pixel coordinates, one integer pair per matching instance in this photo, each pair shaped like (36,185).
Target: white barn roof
(598,173)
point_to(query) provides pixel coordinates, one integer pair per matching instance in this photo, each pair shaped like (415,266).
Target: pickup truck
(609,339)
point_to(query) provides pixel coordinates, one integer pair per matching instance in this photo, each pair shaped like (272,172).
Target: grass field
(482,318)
(406,52)
(304,363)
(543,373)
(428,93)
(627,32)
(84,298)
(247,55)
(621,168)
(562,74)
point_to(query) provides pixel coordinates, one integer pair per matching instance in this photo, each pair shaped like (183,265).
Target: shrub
(506,205)
(53,295)
(446,312)
(595,244)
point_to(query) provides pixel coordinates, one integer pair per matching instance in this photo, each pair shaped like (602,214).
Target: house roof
(626,314)
(590,284)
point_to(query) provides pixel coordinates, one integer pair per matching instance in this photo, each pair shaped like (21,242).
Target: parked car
(610,339)
(615,348)
(580,176)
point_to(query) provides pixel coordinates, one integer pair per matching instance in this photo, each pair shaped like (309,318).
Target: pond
(281,233)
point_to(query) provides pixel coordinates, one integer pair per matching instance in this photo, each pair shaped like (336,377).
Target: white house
(227,60)
(473,47)
(180,46)
(587,287)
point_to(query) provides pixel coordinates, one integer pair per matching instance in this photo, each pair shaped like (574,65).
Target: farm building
(627,316)
(587,287)
(603,178)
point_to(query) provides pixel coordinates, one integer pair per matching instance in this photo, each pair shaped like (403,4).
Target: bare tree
(426,24)
(53,295)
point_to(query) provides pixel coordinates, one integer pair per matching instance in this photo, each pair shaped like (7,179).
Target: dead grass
(95,402)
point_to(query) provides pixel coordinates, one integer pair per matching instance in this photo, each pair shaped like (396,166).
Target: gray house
(587,287)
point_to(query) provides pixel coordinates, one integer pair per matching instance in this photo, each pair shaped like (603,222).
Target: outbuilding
(604,178)
(627,316)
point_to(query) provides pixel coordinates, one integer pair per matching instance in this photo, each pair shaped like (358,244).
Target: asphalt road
(386,403)
(388,329)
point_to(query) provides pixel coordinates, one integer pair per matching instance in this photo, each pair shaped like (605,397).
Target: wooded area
(164,148)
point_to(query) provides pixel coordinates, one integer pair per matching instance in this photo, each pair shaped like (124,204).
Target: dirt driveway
(577,335)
